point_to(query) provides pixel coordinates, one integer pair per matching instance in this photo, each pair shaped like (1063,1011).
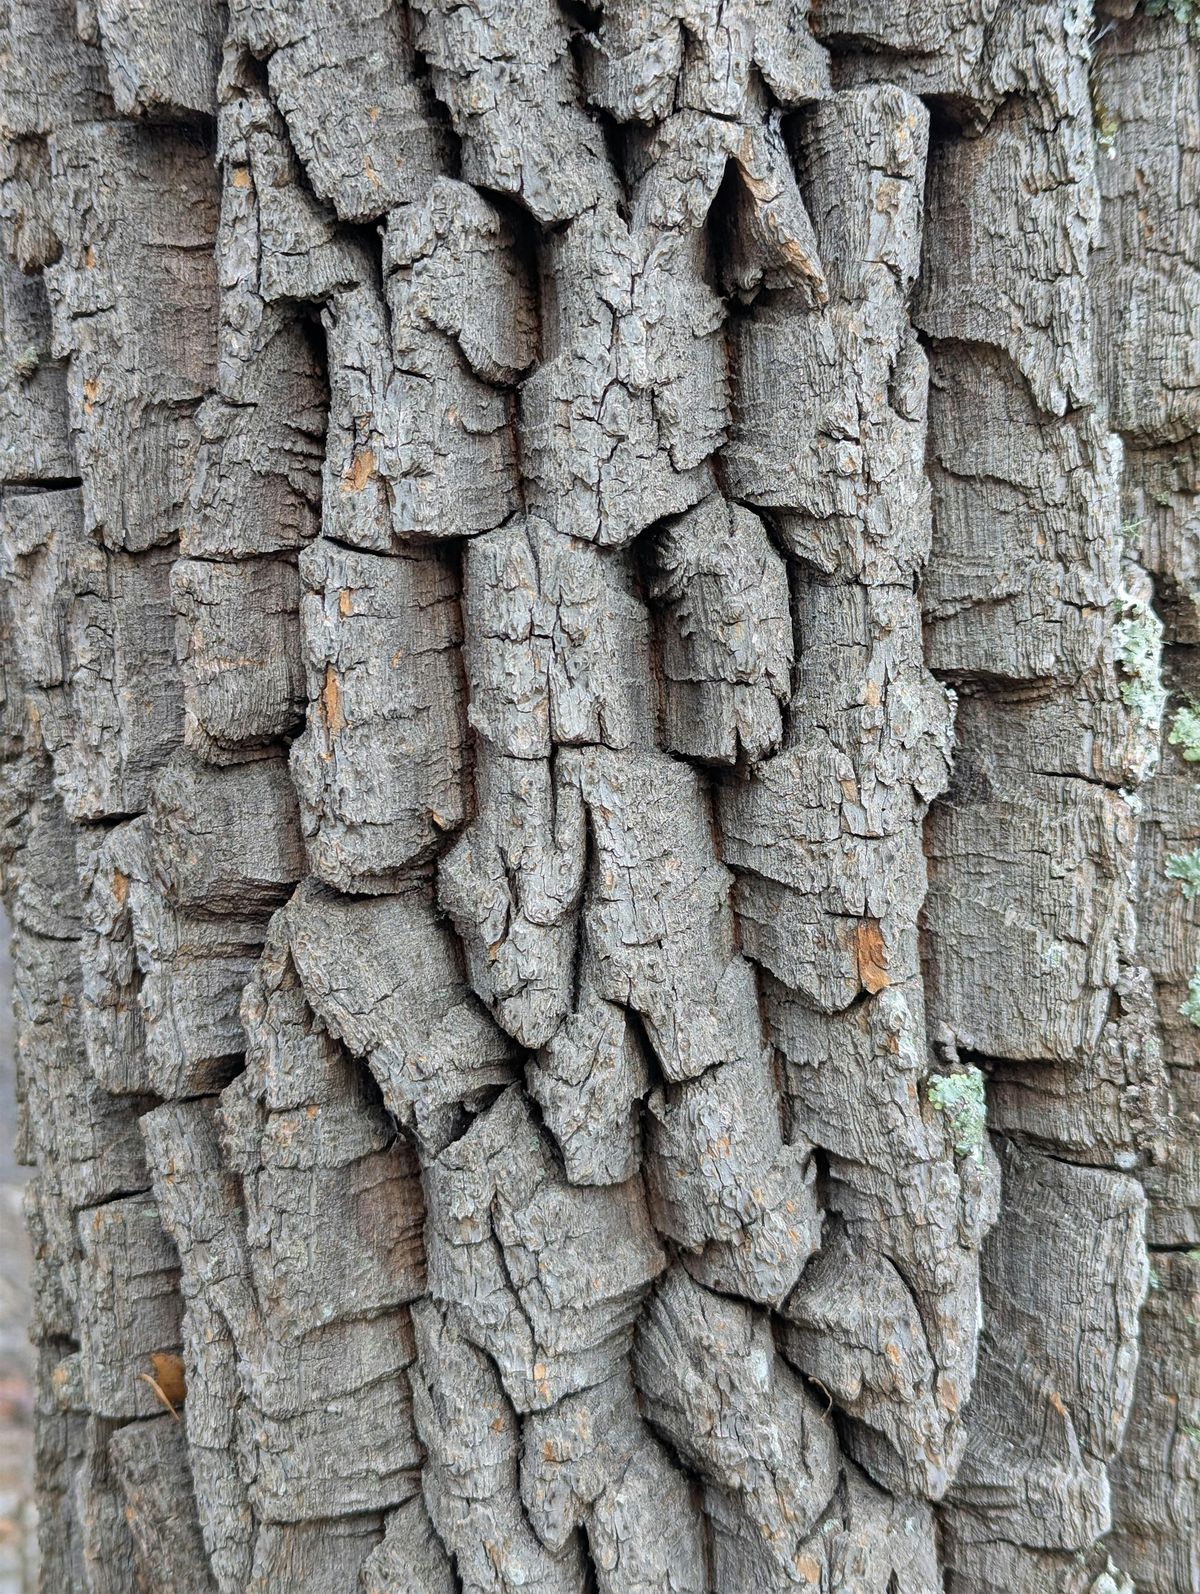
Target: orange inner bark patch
(89,258)
(947,1395)
(331,701)
(1056,1401)
(169,1375)
(809,1569)
(120,887)
(362,468)
(241,177)
(91,388)
(371,174)
(871,955)
(344,602)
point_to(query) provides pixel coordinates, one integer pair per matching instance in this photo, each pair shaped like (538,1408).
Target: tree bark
(599,620)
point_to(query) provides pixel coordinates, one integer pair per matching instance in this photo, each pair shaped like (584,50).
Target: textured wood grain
(600,804)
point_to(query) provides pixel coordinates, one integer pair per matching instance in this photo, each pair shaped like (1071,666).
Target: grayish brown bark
(604,905)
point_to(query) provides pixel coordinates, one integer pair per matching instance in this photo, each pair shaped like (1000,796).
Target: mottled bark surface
(599,613)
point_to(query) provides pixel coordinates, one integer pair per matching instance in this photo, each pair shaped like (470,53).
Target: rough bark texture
(605,907)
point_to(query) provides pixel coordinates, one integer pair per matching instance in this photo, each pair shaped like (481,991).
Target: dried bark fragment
(199,1204)
(1025,289)
(278,240)
(150,1460)
(557,647)
(604,447)
(133,298)
(1028,499)
(544,1276)
(825,835)
(784,1515)
(508,78)
(643,59)
(411,1558)
(53,78)
(1149,251)
(589,1080)
(726,634)
(470,1477)
(725,1187)
(256,484)
(129,1306)
(1167,926)
(310,1557)
(658,930)
(1155,1529)
(188,892)
(852,1324)
(926,48)
(1055,1385)
(161,58)
(896,1140)
(85,1142)
(512,887)
(418,400)
(33,391)
(1111,1105)
(380,768)
(1045,897)
(96,649)
(342,73)
(238,644)
(382,974)
(836,446)
(108,1548)
(311,1332)
(590,1461)
(710,1381)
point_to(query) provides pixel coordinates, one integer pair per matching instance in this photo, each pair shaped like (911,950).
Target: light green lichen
(1185,867)
(1108,125)
(1111,1581)
(1137,641)
(26,363)
(1185,734)
(962,1098)
(1185,11)
(1190,1009)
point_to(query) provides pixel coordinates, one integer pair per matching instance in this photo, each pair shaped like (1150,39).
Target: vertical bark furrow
(1040,617)
(825,837)
(1148,276)
(119,352)
(605,974)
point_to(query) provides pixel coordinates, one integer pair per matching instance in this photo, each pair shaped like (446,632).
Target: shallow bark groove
(601,892)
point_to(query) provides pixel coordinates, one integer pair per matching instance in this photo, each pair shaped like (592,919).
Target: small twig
(159,1391)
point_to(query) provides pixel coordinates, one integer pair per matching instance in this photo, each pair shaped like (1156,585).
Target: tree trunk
(603,896)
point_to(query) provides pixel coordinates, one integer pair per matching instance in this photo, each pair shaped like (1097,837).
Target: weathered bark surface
(605,906)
